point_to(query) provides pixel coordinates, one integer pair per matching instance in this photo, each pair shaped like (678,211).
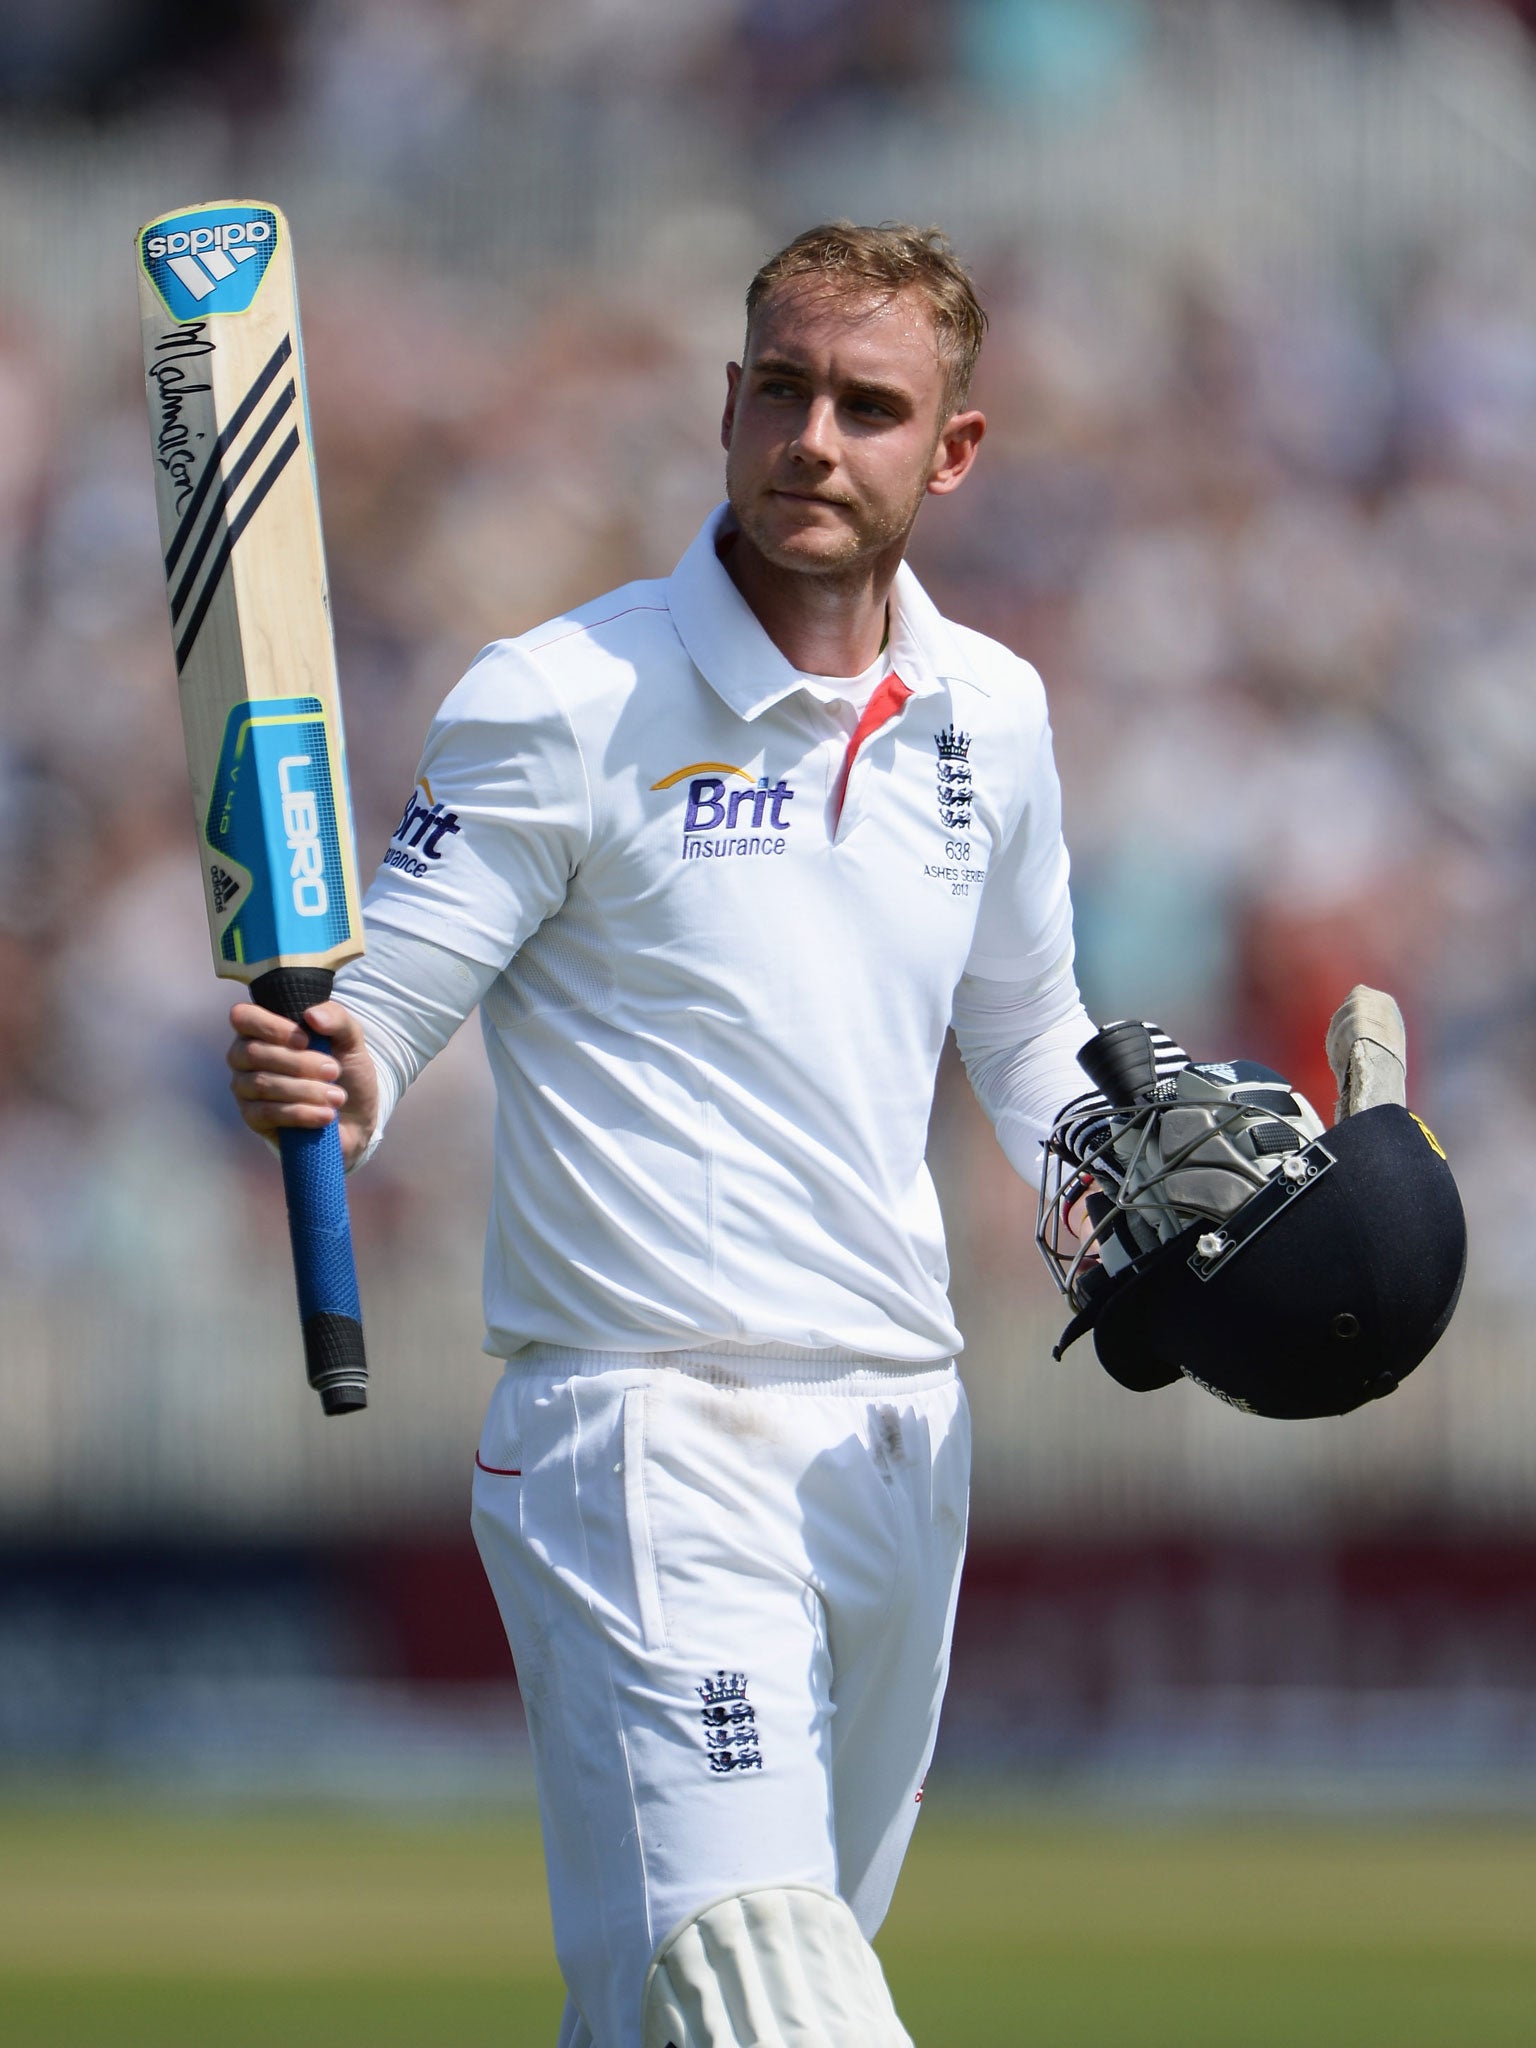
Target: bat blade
(244,563)
(1367,1047)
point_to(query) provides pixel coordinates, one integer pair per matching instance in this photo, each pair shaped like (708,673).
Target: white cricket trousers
(729,1592)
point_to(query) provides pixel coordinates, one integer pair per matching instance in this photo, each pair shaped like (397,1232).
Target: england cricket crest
(730,1724)
(954,778)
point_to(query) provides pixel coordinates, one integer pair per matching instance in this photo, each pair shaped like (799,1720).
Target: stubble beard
(843,554)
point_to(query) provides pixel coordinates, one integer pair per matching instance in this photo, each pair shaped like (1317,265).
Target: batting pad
(1368,1051)
(784,1966)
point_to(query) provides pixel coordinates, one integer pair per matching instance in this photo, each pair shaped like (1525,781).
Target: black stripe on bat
(241,414)
(247,512)
(226,491)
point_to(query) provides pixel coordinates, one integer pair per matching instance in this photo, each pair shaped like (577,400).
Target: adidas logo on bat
(210,260)
(203,257)
(226,887)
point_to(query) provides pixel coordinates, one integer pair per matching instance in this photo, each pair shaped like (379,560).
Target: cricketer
(720,857)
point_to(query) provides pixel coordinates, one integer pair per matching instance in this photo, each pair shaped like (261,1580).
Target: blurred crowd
(1269,536)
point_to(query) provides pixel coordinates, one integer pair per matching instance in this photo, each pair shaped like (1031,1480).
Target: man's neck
(832,625)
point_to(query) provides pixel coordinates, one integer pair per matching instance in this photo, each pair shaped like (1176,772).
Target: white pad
(1368,1051)
(784,1966)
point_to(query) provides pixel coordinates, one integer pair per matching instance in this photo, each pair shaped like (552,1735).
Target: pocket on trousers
(499,1452)
(637,1517)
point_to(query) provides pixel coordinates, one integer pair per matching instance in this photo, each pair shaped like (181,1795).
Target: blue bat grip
(319,1228)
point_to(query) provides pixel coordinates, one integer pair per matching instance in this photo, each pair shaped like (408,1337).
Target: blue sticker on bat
(273,813)
(210,261)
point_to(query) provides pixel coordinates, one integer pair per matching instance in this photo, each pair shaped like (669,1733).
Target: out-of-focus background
(1258,499)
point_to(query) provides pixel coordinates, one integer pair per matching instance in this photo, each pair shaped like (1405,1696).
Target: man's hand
(281,1083)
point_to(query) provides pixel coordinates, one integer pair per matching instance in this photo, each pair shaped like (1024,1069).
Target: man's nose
(817,438)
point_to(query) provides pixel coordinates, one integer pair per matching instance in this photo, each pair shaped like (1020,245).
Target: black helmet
(1222,1234)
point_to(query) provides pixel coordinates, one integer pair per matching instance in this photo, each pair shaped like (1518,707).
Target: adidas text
(195,241)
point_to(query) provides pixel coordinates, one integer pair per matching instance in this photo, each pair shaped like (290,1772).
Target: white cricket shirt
(725,939)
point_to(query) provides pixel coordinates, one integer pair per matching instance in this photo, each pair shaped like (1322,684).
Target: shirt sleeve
(1019,1042)
(498,820)
(410,995)
(1024,919)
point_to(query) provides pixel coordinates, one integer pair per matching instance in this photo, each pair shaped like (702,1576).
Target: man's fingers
(261,1085)
(268,1044)
(266,1027)
(281,1082)
(252,1056)
(328,1018)
(269,1118)
(271,1102)
(331,1020)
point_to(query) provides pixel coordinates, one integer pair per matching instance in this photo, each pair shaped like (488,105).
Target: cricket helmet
(1202,1223)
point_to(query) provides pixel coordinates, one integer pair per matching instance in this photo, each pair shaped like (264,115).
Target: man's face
(836,426)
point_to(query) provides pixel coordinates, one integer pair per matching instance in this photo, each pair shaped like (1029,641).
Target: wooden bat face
(245,581)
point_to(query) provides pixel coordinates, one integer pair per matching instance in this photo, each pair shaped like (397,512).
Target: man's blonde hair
(890,258)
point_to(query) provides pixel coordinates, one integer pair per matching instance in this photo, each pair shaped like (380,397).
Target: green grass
(120,1928)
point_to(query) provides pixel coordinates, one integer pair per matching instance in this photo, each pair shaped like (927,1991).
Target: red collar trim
(884,705)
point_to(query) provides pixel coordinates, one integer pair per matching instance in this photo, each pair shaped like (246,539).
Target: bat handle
(1120,1062)
(319,1227)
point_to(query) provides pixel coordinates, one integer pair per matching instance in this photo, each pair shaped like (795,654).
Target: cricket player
(720,857)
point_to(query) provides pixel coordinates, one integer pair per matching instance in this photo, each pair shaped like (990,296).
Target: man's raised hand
(280,1082)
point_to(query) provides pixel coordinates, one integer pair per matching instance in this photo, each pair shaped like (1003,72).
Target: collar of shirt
(846,696)
(728,646)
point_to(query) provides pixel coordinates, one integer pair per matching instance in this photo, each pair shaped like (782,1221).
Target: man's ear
(959,439)
(728,417)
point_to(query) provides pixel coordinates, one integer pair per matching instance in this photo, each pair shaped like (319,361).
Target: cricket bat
(260,710)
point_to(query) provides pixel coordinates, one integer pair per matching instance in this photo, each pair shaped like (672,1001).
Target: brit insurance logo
(417,841)
(729,814)
(210,260)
